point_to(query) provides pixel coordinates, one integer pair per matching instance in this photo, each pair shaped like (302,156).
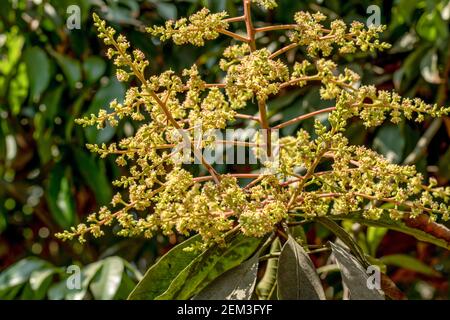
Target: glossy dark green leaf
(113,90)
(235,284)
(404,10)
(410,263)
(70,67)
(444,164)
(408,73)
(374,237)
(20,272)
(40,280)
(11,293)
(94,175)
(168,11)
(38,69)
(390,143)
(297,278)
(57,291)
(209,265)
(106,283)
(345,237)
(18,90)
(126,286)
(157,279)
(93,68)
(52,102)
(399,225)
(60,198)
(431,27)
(354,276)
(429,67)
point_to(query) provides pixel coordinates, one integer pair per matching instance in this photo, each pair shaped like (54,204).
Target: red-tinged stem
(233,35)
(277,27)
(283,50)
(297,80)
(304,117)
(235,19)
(246,116)
(249,24)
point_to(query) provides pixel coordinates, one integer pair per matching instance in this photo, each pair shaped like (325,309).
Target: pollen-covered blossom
(200,26)
(311,33)
(251,74)
(268,4)
(318,173)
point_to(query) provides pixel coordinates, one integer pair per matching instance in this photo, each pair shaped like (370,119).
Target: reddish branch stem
(304,117)
(277,27)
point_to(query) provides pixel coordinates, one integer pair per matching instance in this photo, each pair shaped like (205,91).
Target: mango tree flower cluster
(317,175)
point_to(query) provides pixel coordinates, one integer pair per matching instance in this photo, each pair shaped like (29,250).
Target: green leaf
(113,90)
(3,220)
(52,102)
(43,137)
(57,291)
(390,143)
(60,198)
(158,278)
(107,282)
(70,67)
(235,284)
(168,11)
(444,164)
(297,277)
(38,69)
(20,272)
(126,286)
(404,10)
(374,237)
(409,71)
(344,237)
(431,27)
(94,176)
(266,286)
(407,262)
(398,225)
(11,293)
(354,276)
(429,67)
(93,68)
(18,90)
(40,281)
(209,265)
(87,274)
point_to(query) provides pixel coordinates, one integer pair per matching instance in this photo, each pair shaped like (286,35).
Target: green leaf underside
(235,284)
(297,277)
(38,69)
(354,276)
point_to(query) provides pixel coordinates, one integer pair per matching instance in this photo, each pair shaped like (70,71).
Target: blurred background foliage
(50,75)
